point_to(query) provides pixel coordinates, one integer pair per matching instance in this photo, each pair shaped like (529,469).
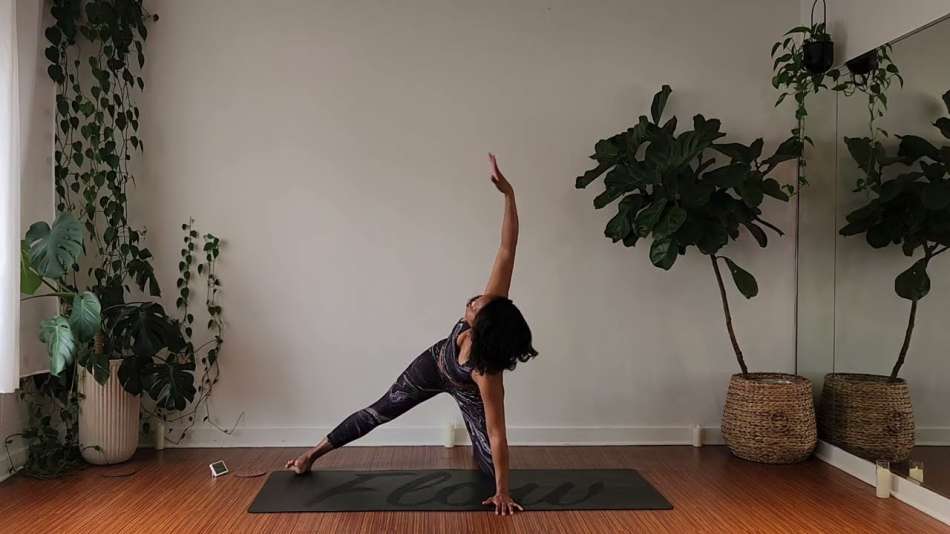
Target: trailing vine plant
(870,74)
(96,54)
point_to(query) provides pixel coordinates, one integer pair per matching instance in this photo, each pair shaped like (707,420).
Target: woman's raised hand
(498,178)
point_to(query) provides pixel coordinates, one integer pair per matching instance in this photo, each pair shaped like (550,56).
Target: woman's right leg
(419,382)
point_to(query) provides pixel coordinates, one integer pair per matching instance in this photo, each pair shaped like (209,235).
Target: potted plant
(670,188)
(869,414)
(91,401)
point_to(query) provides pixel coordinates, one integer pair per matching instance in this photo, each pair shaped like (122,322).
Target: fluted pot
(108,418)
(770,418)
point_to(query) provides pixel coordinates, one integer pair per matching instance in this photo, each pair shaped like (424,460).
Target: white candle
(697,433)
(883,479)
(448,436)
(159,434)
(917,473)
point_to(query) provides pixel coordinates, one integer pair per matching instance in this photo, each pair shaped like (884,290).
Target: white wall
(339,147)
(860,25)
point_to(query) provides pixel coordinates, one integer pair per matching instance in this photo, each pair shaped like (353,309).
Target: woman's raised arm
(499,282)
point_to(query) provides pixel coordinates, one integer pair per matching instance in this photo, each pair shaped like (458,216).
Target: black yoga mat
(455,490)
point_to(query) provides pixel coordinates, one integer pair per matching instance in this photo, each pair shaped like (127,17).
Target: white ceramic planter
(108,417)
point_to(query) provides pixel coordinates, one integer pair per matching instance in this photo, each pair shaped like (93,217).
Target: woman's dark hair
(500,338)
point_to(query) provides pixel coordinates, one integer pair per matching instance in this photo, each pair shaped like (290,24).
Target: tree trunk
(906,344)
(725,309)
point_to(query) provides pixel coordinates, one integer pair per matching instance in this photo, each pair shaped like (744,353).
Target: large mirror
(889,397)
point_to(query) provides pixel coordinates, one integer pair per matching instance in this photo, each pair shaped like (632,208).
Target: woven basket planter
(867,415)
(770,418)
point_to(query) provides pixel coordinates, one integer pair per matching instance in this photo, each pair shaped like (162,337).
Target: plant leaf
(29,280)
(53,251)
(670,223)
(744,280)
(663,253)
(60,343)
(650,216)
(85,317)
(659,103)
(914,283)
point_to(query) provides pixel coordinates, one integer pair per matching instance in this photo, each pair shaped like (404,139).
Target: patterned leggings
(422,380)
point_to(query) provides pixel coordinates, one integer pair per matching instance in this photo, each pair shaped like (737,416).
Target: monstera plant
(910,208)
(47,254)
(671,189)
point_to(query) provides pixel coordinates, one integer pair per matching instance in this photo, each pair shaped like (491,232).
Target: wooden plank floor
(710,490)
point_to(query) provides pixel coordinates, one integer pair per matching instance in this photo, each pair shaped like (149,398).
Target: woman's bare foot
(301,464)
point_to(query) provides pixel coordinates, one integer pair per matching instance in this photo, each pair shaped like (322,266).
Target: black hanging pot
(819,51)
(819,56)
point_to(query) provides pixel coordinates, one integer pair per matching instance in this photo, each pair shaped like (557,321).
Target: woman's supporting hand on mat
(504,504)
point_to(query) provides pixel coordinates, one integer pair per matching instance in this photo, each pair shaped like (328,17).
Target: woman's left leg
(419,382)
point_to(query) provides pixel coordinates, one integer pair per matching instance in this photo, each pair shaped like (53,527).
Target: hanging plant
(910,209)
(669,189)
(872,75)
(804,68)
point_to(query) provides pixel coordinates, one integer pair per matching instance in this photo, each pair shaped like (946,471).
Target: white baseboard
(933,435)
(434,435)
(18,454)
(919,497)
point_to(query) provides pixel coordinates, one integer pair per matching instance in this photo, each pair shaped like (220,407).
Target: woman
(492,336)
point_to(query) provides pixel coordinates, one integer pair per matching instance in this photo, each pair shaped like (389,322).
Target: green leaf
(936,196)
(85,317)
(608,196)
(618,227)
(670,223)
(53,251)
(751,192)
(659,103)
(172,385)
(790,149)
(745,282)
(606,152)
(944,124)
(727,176)
(735,151)
(60,343)
(913,148)
(914,283)
(758,233)
(878,236)
(29,280)
(772,188)
(583,181)
(132,371)
(649,217)
(663,253)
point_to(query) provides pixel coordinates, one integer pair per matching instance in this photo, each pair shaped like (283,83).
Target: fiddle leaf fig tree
(671,189)
(910,208)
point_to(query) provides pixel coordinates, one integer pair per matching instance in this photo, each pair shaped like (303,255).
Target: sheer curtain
(9,201)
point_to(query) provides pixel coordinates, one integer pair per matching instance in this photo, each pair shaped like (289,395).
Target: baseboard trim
(435,435)
(919,497)
(933,436)
(19,458)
